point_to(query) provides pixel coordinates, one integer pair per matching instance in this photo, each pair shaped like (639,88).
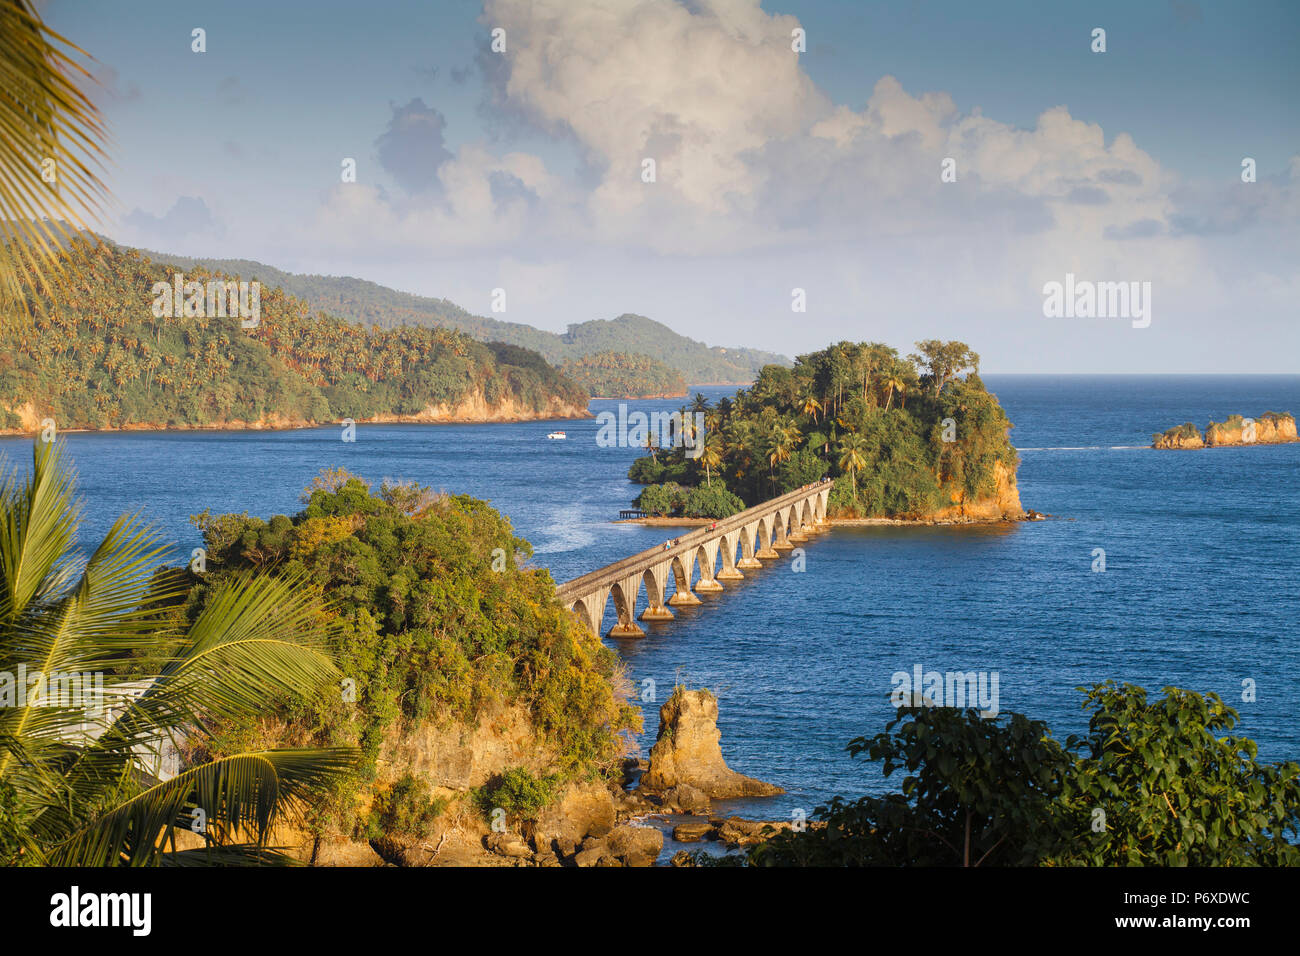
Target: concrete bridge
(759,532)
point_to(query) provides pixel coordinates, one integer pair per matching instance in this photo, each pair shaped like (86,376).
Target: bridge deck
(637,563)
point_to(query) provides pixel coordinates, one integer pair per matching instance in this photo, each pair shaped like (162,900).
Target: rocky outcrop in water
(687,751)
(1269,428)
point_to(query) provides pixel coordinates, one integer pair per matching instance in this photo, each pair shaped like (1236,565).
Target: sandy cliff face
(1002,505)
(453,759)
(474,407)
(1179,441)
(457,757)
(1268,431)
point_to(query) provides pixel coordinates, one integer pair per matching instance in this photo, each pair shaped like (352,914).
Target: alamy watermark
(637,430)
(1085,299)
(216,298)
(83,691)
(959,689)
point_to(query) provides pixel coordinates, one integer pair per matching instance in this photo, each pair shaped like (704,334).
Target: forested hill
(376,305)
(98,354)
(624,375)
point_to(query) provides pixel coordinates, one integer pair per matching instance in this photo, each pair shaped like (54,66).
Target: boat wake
(1083,448)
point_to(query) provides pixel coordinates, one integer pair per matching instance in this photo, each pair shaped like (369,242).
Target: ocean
(1202,554)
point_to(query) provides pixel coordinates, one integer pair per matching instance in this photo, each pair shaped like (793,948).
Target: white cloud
(753,160)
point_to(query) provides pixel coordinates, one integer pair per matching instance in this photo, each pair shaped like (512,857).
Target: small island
(902,439)
(1270,428)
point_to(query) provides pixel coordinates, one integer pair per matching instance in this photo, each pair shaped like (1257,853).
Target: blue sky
(522,170)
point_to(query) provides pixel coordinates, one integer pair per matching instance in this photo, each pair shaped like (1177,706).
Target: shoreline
(300,424)
(1029,515)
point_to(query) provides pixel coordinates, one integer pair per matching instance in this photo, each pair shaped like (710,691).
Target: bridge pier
(708,558)
(782,542)
(683,569)
(592,608)
(656,580)
(766,527)
(729,572)
(748,538)
(625,592)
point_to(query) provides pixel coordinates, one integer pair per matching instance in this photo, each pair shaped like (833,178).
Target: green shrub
(405,807)
(711,502)
(521,793)
(662,500)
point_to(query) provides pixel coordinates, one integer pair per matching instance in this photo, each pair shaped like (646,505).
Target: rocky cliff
(687,751)
(1269,428)
(473,407)
(1002,505)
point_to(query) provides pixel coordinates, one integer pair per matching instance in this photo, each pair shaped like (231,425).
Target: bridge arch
(683,567)
(759,532)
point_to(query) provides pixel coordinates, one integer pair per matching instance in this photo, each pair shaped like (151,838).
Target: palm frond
(44,115)
(242,798)
(80,774)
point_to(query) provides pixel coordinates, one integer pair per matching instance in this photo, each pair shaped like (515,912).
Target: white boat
(557,436)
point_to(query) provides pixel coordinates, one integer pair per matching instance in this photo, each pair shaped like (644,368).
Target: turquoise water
(1202,553)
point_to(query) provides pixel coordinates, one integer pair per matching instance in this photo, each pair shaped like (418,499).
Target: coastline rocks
(1003,505)
(583,810)
(735,831)
(1269,429)
(684,798)
(472,407)
(687,751)
(692,832)
(1185,435)
(509,845)
(625,845)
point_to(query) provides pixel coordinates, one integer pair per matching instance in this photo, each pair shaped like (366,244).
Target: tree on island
(942,361)
(851,458)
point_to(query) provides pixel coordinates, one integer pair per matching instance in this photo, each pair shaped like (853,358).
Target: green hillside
(99,355)
(358,300)
(623,374)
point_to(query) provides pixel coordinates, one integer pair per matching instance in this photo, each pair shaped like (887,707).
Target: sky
(782,178)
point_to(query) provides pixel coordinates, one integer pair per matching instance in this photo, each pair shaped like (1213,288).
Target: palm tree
(80,777)
(779,444)
(52,137)
(699,403)
(710,457)
(852,458)
(809,404)
(893,382)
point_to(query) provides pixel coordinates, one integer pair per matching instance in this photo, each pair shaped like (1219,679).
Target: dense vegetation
(438,622)
(673,500)
(624,375)
(1153,783)
(899,436)
(1184,432)
(96,356)
(374,305)
(81,769)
